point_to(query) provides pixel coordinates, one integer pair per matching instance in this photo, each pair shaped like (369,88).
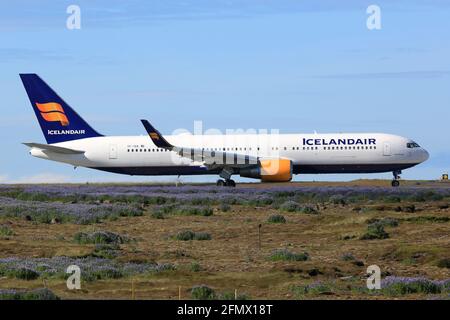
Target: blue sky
(297,66)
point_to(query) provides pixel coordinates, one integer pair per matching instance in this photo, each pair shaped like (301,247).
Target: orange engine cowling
(278,170)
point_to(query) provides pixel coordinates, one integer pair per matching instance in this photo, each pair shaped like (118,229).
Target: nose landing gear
(395,183)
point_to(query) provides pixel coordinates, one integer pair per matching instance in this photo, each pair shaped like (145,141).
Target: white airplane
(270,158)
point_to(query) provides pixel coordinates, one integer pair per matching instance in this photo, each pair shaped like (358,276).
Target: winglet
(156,137)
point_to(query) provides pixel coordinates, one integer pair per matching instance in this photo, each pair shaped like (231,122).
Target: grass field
(291,241)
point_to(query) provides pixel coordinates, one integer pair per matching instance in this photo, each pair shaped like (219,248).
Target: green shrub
(48,216)
(195,211)
(38,294)
(231,296)
(412,286)
(385,222)
(444,263)
(185,235)
(290,206)
(201,236)
(286,255)
(203,292)
(426,196)
(131,212)
(157,214)
(106,273)
(347,257)
(23,274)
(224,207)
(99,237)
(6,231)
(410,208)
(276,218)
(337,199)
(424,219)
(308,210)
(106,251)
(314,288)
(195,267)
(375,231)
(392,199)
(201,201)
(188,235)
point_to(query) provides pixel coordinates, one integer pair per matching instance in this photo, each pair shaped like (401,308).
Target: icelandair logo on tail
(154,135)
(53,112)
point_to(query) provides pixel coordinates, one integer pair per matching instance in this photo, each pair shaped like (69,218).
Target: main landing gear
(395,183)
(226,183)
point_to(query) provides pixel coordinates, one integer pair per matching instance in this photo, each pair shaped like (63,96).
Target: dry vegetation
(235,259)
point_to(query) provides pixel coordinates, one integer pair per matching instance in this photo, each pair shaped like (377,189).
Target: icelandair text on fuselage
(57,132)
(338,142)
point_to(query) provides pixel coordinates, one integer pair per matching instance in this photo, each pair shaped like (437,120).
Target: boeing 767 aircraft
(268,157)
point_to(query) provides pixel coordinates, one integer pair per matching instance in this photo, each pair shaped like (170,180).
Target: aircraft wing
(52,148)
(211,159)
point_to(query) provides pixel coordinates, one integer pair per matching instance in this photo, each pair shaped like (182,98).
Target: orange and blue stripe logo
(154,135)
(53,112)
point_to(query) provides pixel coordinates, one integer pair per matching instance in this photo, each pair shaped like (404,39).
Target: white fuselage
(309,153)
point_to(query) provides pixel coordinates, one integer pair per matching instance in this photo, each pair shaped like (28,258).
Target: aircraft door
(112,151)
(386,149)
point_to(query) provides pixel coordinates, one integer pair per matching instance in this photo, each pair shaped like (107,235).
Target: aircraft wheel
(395,183)
(220,183)
(230,183)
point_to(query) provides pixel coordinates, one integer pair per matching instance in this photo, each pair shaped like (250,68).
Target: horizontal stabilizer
(52,148)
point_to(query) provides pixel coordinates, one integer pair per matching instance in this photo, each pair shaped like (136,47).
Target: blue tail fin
(59,122)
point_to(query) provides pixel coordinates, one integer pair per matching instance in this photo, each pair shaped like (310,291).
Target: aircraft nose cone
(425,155)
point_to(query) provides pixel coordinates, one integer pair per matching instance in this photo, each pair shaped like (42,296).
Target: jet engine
(276,170)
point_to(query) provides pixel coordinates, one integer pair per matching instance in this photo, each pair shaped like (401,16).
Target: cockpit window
(412,145)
